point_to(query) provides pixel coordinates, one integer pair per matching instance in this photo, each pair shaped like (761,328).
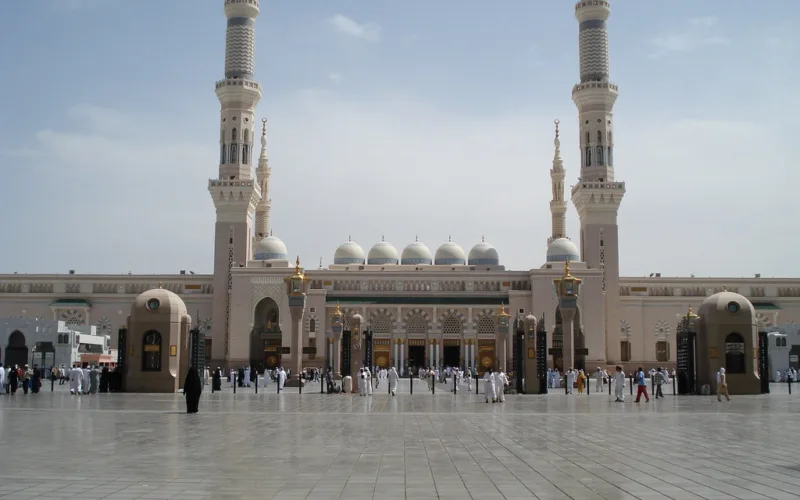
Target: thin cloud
(335,77)
(369,31)
(696,33)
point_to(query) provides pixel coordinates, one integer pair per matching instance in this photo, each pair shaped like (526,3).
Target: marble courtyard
(134,446)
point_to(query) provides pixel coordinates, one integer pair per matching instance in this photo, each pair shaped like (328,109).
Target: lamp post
(502,337)
(687,353)
(529,354)
(356,344)
(337,326)
(296,288)
(567,291)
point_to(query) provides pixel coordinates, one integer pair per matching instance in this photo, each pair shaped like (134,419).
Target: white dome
(383,253)
(416,253)
(450,254)
(562,249)
(270,248)
(349,252)
(483,254)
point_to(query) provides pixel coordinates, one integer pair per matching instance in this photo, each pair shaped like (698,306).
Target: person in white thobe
(500,381)
(362,380)
(619,386)
(598,386)
(489,387)
(2,379)
(369,381)
(557,379)
(281,378)
(75,380)
(570,380)
(85,383)
(233,377)
(393,376)
(247,377)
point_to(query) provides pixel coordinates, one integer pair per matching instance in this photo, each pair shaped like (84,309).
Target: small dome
(383,253)
(483,254)
(270,248)
(724,307)
(157,303)
(349,252)
(450,254)
(562,249)
(416,253)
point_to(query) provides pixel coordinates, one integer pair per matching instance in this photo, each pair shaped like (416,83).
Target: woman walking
(192,389)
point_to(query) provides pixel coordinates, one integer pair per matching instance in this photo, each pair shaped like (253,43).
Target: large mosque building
(423,308)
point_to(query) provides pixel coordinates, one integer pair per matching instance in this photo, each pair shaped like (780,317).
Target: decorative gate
(368,349)
(486,355)
(197,356)
(763,361)
(346,354)
(541,355)
(519,357)
(118,381)
(687,365)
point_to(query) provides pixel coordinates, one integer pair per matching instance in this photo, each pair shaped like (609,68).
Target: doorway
(452,355)
(416,356)
(17,350)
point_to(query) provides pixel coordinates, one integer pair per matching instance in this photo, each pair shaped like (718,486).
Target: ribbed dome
(270,248)
(416,253)
(349,252)
(450,254)
(562,249)
(383,253)
(483,254)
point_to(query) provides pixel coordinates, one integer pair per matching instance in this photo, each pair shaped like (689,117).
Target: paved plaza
(292,446)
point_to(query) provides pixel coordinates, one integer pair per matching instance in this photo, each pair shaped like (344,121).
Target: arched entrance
(44,354)
(265,339)
(17,350)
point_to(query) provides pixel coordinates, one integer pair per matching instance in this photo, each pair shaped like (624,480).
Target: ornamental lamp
(530,324)
(297,284)
(502,317)
(337,321)
(568,286)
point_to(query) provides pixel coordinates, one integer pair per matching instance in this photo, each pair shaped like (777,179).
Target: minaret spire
(263,172)
(558,205)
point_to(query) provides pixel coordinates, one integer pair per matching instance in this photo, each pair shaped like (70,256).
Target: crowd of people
(84,379)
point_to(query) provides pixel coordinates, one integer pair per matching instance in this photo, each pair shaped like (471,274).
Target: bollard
(433,386)
(52,383)
(300,382)
(653,386)
(673,385)
(631,384)
(789,382)
(278,384)
(256,381)
(588,384)
(234,385)
(388,386)
(321,382)
(455,388)
(476,383)
(609,384)
(566,388)
(411,381)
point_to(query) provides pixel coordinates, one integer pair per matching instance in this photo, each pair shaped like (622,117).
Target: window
(312,326)
(600,159)
(662,351)
(588,138)
(222,154)
(588,159)
(151,352)
(734,353)
(234,155)
(234,135)
(599,137)
(208,350)
(245,154)
(611,156)
(625,350)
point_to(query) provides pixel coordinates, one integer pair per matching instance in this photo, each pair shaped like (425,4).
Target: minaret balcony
(238,89)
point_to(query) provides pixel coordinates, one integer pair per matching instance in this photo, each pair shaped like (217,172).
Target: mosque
(422,308)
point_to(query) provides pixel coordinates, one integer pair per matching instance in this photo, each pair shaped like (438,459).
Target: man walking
(641,386)
(658,379)
(619,385)
(722,385)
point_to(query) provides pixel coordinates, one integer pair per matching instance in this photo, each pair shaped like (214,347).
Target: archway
(266,337)
(44,354)
(17,349)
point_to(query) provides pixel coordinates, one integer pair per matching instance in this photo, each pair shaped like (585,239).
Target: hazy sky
(397,118)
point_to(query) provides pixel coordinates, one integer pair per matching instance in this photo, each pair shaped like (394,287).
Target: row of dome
(384,253)
(416,253)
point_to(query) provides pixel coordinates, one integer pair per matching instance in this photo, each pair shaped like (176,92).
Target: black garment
(36,383)
(240,377)
(104,379)
(192,389)
(216,381)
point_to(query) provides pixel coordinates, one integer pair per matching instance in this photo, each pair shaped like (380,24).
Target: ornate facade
(421,308)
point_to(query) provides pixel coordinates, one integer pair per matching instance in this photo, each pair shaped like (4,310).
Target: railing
(595,85)
(248,2)
(592,3)
(238,82)
(228,183)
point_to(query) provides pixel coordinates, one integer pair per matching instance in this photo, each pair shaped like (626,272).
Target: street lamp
(337,325)
(567,290)
(502,337)
(296,288)
(687,352)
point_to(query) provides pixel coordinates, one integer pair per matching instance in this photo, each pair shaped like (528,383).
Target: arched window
(610,139)
(600,159)
(599,137)
(234,153)
(246,136)
(588,158)
(611,156)
(734,353)
(662,351)
(312,326)
(625,350)
(234,135)
(588,138)
(151,352)
(245,154)
(222,154)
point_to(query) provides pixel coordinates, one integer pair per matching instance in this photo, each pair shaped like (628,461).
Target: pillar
(436,352)
(567,324)
(402,349)
(337,355)
(296,356)
(430,354)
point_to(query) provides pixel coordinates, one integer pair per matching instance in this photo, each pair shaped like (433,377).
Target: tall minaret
(262,176)
(558,205)
(596,195)
(234,193)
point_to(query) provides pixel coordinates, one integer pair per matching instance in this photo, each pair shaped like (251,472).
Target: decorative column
(567,290)
(402,353)
(530,371)
(330,353)
(356,344)
(436,347)
(430,353)
(337,328)
(296,288)
(502,337)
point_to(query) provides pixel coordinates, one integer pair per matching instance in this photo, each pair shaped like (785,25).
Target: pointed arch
(451,313)
(417,321)
(382,321)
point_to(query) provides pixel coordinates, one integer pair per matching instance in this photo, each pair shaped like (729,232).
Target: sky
(402,119)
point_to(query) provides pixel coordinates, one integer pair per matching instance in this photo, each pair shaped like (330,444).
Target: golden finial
(263,127)
(449,238)
(483,239)
(724,288)
(416,237)
(160,284)
(566,268)
(383,237)
(556,121)
(337,308)
(297,265)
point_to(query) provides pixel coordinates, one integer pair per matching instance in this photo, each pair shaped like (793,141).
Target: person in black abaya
(104,376)
(216,380)
(192,389)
